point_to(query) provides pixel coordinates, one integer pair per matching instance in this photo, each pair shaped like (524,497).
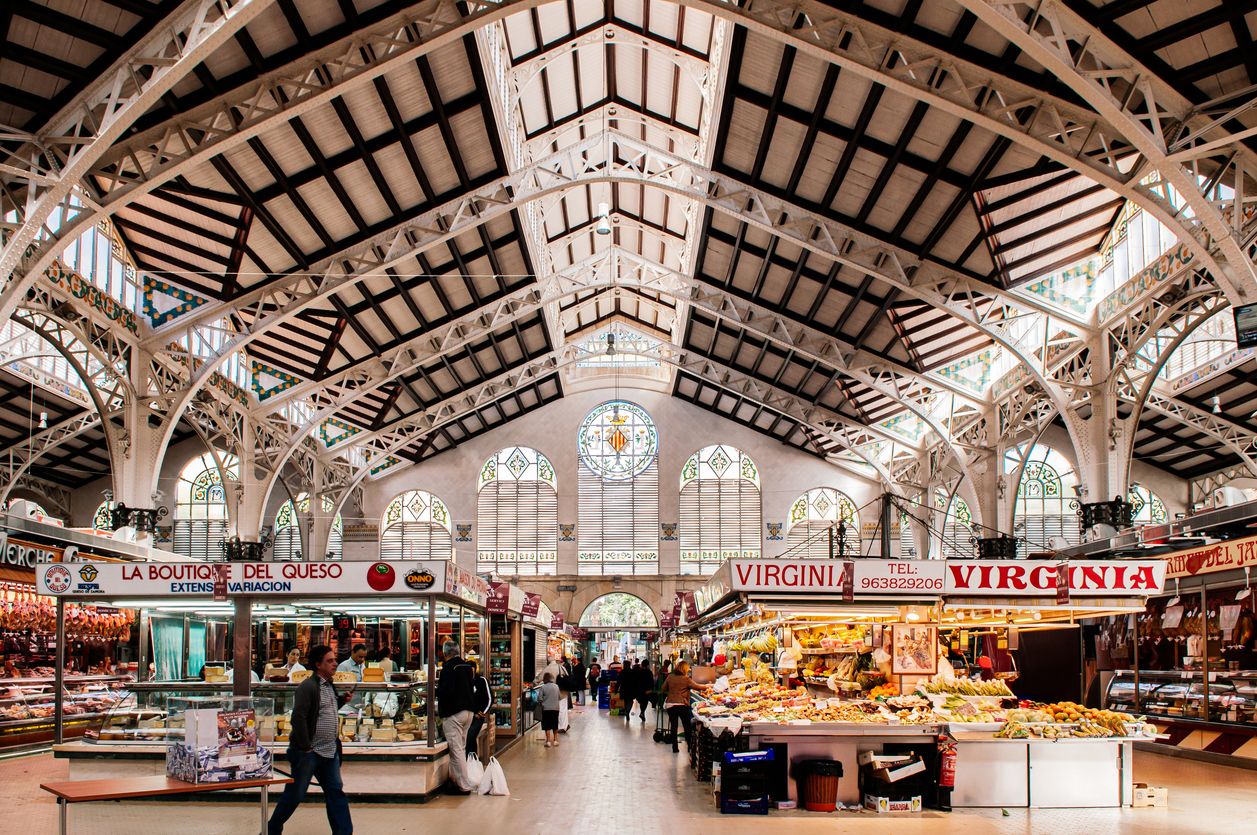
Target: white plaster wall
(785,472)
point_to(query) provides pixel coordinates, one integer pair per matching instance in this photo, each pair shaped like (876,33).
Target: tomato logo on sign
(381,576)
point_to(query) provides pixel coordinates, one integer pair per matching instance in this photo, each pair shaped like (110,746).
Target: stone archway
(637,613)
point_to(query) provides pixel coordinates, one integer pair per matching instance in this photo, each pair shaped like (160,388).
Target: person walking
(580,680)
(314,746)
(645,687)
(482,698)
(664,672)
(455,703)
(676,700)
(595,681)
(628,688)
(550,699)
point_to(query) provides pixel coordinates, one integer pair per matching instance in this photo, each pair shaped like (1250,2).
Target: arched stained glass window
(720,517)
(287,535)
(812,514)
(1047,508)
(201,521)
(103,519)
(416,526)
(957,527)
(517,513)
(1146,506)
(618,481)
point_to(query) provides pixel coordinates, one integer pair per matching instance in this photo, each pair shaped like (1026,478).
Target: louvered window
(812,515)
(1046,505)
(201,522)
(618,481)
(416,527)
(957,532)
(720,516)
(517,514)
(288,538)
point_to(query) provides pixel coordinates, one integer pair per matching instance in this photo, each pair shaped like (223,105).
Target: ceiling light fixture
(1217,405)
(604,219)
(43,420)
(611,345)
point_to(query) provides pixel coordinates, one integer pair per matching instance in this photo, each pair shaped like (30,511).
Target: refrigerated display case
(27,705)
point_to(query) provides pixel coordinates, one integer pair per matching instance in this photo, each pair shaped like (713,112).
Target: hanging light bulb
(604,219)
(611,345)
(43,420)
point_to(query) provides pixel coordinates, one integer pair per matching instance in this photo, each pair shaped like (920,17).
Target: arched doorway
(617,624)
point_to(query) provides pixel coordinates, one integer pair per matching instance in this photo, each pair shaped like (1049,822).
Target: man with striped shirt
(314,746)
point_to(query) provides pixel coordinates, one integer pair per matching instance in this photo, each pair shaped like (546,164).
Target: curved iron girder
(53,166)
(125,170)
(610,270)
(108,391)
(1136,107)
(383,443)
(639,163)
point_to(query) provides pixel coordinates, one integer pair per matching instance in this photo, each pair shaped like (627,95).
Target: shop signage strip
(1206,559)
(1002,578)
(259,579)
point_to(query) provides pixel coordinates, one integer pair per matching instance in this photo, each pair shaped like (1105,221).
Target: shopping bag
(497,778)
(562,714)
(475,771)
(486,780)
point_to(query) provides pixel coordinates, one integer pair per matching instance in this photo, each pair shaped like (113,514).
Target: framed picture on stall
(914,649)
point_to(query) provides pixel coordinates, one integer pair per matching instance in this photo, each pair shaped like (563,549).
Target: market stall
(392,718)
(845,663)
(1188,660)
(98,643)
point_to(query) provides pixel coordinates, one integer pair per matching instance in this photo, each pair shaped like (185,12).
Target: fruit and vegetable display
(831,638)
(966,687)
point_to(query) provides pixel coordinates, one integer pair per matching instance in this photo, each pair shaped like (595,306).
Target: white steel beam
(1137,108)
(49,173)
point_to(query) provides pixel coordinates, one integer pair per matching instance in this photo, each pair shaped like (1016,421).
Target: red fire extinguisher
(946,771)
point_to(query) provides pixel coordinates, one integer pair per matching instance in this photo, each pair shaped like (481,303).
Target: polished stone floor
(607,778)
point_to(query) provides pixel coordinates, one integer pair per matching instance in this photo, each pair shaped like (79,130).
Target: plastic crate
(743,805)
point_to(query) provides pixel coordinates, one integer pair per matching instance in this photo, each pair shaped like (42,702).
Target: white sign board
(930,578)
(254,579)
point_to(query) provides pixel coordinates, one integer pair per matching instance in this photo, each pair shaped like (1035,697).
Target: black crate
(744,786)
(743,805)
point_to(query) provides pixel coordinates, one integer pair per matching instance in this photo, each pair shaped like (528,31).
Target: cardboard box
(898,771)
(879,804)
(1146,795)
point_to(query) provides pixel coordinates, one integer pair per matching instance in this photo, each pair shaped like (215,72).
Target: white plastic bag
(475,771)
(721,685)
(496,778)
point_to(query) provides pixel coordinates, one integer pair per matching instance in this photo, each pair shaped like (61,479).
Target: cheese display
(344,677)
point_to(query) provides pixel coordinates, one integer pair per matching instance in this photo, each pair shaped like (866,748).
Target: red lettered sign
(532,602)
(1062,584)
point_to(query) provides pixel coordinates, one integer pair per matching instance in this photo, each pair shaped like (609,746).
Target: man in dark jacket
(314,746)
(628,687)
(579,679)
(455,704)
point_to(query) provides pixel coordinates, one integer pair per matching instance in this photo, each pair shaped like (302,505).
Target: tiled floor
(606,777)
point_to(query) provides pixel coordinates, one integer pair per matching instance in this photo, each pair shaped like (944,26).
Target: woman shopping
(677,688)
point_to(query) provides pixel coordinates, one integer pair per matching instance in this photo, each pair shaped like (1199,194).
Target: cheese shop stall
(908,676)
(390,734)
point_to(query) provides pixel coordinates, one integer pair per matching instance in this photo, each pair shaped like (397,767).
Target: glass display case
(27,705)
(381,713)
(1230,696)
(1191,658)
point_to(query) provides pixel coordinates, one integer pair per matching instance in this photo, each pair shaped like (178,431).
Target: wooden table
(84,791)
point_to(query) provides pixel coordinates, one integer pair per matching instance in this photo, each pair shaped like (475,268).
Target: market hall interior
(607,773)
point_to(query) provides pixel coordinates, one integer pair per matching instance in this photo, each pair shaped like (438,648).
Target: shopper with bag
(676,700)
(482,700)
(455,703)
(314,746)
(644,692)
(548,698)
